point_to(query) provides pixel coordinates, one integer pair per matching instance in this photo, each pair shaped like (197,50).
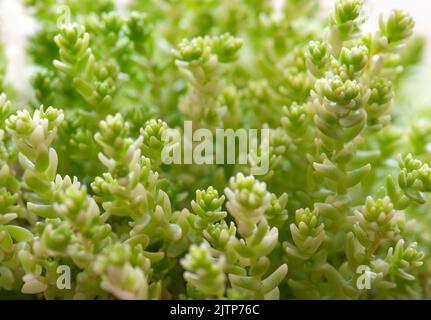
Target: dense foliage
(82,183)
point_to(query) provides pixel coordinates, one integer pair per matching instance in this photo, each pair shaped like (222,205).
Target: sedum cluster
(88,209)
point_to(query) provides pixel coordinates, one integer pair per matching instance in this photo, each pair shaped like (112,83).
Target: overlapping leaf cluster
(83,184)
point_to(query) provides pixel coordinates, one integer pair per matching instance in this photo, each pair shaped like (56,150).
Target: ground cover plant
(89,209)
